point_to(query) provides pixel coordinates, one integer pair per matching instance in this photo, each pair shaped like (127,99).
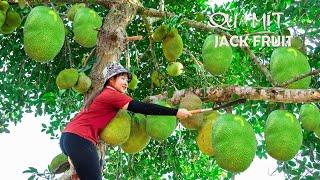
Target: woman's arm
(154,109)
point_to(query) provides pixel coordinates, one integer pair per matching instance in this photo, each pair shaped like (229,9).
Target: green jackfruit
(4,6)
(297,43)
(139,137)
(233,143)
(59,164)
(160,127)
(172,45)
(160,33)
(175,69)
(191,102)
(2,18)
(83,83)
(43,34)
(13,19)
(133,84)
(310,117)
(73,10)
(157,79)
(67,78)
(118,130)
(283,135)
(287,63)
(86,25)
(216,60)
(204,138)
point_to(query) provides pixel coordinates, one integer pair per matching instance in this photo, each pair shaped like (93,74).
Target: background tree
(29,87)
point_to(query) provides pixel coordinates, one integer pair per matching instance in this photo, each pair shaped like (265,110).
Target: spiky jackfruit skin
(287,63)
(139,137)
(117,131)
(59,164)
(191,102)
(233,142)
(160,127)
(67,78)
(43,34)
(283,135)
(204,138)
(175,69)
(2,18)
(86,25)
(83,83)
(172,45)
(216,60)
(160,33)
(73,10)
(157,79)
(310,117)
(4,6)
(133,84)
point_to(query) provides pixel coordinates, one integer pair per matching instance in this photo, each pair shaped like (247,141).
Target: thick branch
(226,94)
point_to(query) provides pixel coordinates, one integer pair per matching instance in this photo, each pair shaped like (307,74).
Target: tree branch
(297,78)
(225,94)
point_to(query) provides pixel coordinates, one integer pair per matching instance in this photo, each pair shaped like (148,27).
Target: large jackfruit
(233,142)
(216,60)
(139,137)
(287,63)
(172,45)
(83,83)
(43,34)
(117,131)
(191,102)
(310,117)
(204,138)
(283,135)
(67,78)
(86,25)
(160,33)
(73,10)
(59,164)
(160,127)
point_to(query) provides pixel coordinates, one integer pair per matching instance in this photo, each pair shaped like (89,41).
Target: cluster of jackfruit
(44,34)
(130,134)
(9,19)
(310,118)
(70,78)
(172,46)
(86,24)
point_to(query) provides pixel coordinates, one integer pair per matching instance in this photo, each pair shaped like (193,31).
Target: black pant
(83,155)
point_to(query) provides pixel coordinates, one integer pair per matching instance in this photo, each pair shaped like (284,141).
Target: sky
(26,146)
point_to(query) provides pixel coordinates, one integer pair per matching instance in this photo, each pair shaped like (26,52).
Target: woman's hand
(183,113)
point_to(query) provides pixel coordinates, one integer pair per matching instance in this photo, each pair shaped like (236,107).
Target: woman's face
(120,83)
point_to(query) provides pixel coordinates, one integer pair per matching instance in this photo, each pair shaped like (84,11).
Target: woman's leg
(83,155)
